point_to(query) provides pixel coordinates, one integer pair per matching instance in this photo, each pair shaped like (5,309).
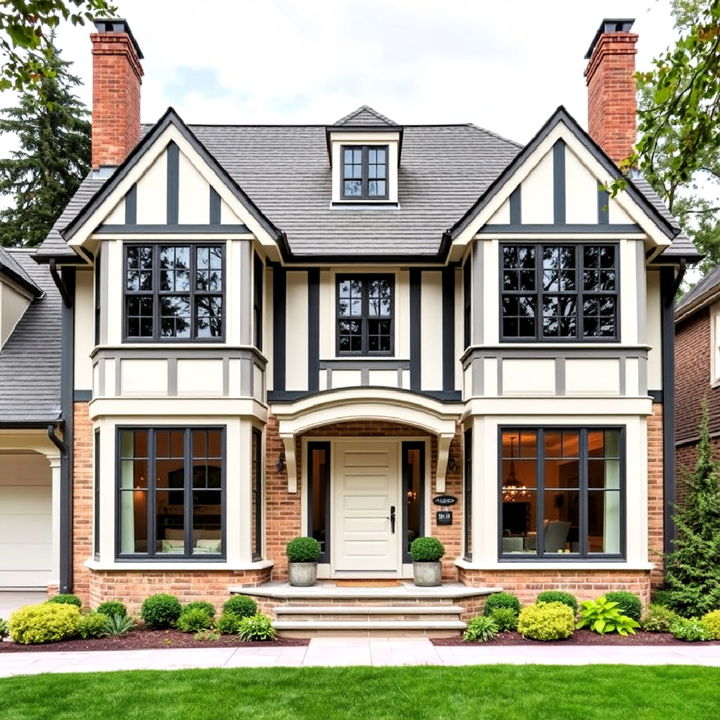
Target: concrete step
(369,609)
(369,628)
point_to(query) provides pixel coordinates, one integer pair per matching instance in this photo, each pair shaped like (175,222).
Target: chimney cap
(610,25)
(117,25)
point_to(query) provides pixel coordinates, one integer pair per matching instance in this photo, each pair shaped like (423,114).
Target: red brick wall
(82,498)
(611,94)
(656,501)
(117,75)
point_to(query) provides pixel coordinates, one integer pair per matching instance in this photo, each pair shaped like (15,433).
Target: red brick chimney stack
(117,75)
(611,88)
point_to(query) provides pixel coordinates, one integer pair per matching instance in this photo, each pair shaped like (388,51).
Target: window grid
(364,172)
(365,315)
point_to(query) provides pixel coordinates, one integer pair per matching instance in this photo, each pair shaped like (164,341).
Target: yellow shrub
(46,623)
(546,621)
(711,621)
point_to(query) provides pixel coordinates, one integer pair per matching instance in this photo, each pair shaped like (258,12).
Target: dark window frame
(156,294)
(364,317)
(257,480)
(407,446)
(467,493)
(582,555)
(364,196)
(309,447)
(98,310)
(96,494)
(258,276)
(467,302)
(151,555)
(579,293)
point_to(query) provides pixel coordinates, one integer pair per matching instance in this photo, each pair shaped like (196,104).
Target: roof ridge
(364,108)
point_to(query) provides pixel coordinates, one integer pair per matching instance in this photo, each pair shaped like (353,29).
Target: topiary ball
(501,600)
(112,607)
(303,549)
(426,549)
(160,611)
(240,606)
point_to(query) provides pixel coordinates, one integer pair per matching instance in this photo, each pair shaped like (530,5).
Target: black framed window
(364,172)
(259,270)
(467,301)
(257,474)
(365,314)
(97,297)
(174,292)
(171,493)
(318,468)
(562,493)
(413,476)
(559,292)
(96,495)
(467,493)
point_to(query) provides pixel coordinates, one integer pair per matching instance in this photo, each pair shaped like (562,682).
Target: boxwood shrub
(228,624)
(66,599)
(501,600)
(112,607)
(628,603)
(93,625)
(548,621)
(46,623)
(505,618)
(426,549)
(561,596)
(160,611)
(303,549)
(240,606)
(206,607)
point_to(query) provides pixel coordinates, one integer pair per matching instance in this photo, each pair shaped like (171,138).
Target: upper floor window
(715,345)
(365,315)
(559,292)
(365,172)
(174,292)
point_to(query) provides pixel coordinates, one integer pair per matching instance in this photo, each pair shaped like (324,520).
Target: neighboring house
(282,330)
(697,369)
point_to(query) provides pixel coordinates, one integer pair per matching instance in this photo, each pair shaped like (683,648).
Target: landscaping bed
(579,637)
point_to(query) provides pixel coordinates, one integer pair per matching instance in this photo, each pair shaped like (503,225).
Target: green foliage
(240,606)
(505,618)
(561,596)
(546,621)
(207,635)
(3,629)
(628,603)
(481,629)
(66,599)
(112,607)
(501,600)
(93,625)
(711,621)
(52,158)
(119,624)
(193,620)
(661,597)
(228,623)
(256,627)
(206,607)
(604,616)
(691,576)
(426,549)
(658,619)
(160,611)
(303,549)
(689,629)
(45,623)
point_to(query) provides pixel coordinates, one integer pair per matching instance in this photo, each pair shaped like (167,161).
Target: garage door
(25,521)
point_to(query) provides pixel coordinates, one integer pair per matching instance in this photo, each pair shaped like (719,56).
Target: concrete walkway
(353,651)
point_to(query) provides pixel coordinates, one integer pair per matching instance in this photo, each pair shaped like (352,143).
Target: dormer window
(365,172)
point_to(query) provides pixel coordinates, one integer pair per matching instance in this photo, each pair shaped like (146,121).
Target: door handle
(392,519)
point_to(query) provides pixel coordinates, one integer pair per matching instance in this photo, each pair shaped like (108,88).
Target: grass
(499,692)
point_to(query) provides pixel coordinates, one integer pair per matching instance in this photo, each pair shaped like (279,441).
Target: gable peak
(365,116)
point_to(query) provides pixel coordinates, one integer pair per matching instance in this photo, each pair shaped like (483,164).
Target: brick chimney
(611,88)
(117,75)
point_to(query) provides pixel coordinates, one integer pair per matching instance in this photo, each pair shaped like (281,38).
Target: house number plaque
(444,517)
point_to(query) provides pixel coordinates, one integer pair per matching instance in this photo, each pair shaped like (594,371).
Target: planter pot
(302,574)
(427,574)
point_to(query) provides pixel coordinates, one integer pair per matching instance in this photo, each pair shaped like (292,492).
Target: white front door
(367,486)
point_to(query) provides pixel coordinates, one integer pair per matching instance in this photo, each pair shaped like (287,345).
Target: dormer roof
(365,117)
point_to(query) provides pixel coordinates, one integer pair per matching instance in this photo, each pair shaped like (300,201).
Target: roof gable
(365,116)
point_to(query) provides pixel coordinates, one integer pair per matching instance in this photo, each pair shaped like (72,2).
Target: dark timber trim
(173,183)
(289,396)
(314,330)
(82,395)
(448,331)
(516,206)
(559,182)
(279,330)
(603,206)
(552,229)
(415,327)
(176,228)
(407,447)
(131,206)
(214,206)
(325,479)
(657,396)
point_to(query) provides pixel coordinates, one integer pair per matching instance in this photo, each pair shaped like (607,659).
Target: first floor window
(171,492)
(365,315)
(96,499)
(319,496)
(467,500)
(257,474)
(561,492)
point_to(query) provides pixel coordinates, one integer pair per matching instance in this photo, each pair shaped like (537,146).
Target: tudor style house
(280,330)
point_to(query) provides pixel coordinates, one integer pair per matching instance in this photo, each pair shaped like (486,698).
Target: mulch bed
(580,637)
(140,639)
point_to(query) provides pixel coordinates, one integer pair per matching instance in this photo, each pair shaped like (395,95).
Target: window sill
(540,565)
(185,566)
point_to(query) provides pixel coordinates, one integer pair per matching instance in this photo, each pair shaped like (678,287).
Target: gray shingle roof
(705,287)
(30,359)
(365,115)
(12,268)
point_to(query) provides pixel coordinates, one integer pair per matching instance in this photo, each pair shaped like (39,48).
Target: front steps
(326,610)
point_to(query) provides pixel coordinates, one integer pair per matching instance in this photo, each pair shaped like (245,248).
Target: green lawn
(433,693)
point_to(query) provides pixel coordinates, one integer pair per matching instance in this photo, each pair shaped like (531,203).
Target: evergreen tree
(54,156)
(692,570)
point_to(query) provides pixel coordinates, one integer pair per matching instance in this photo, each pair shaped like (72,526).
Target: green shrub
(227,623)
(160,611)
(3,629)
(119,624)
(505,619)
(547,621)
(194,620)
(603,616)
(303,549)
(560,596)
(256,627)
(657,619)
(480,629)
(426,549)
(711,621)
(661,597)
(66,599)
(240,606)
(501,600)
(205,635)
(112,607)
(93,625)
(46,623)
(206,607)
(628,603)
(689,629)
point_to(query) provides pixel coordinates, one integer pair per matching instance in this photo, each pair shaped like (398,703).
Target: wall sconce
(451,464)
(281,463)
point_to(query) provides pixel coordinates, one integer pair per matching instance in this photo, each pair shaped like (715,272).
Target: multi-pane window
(257,473)
(174,292)
(170,492)
(559,292)
(365,315)
(561,492)
(258,272)
(467,495)
(365,172)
